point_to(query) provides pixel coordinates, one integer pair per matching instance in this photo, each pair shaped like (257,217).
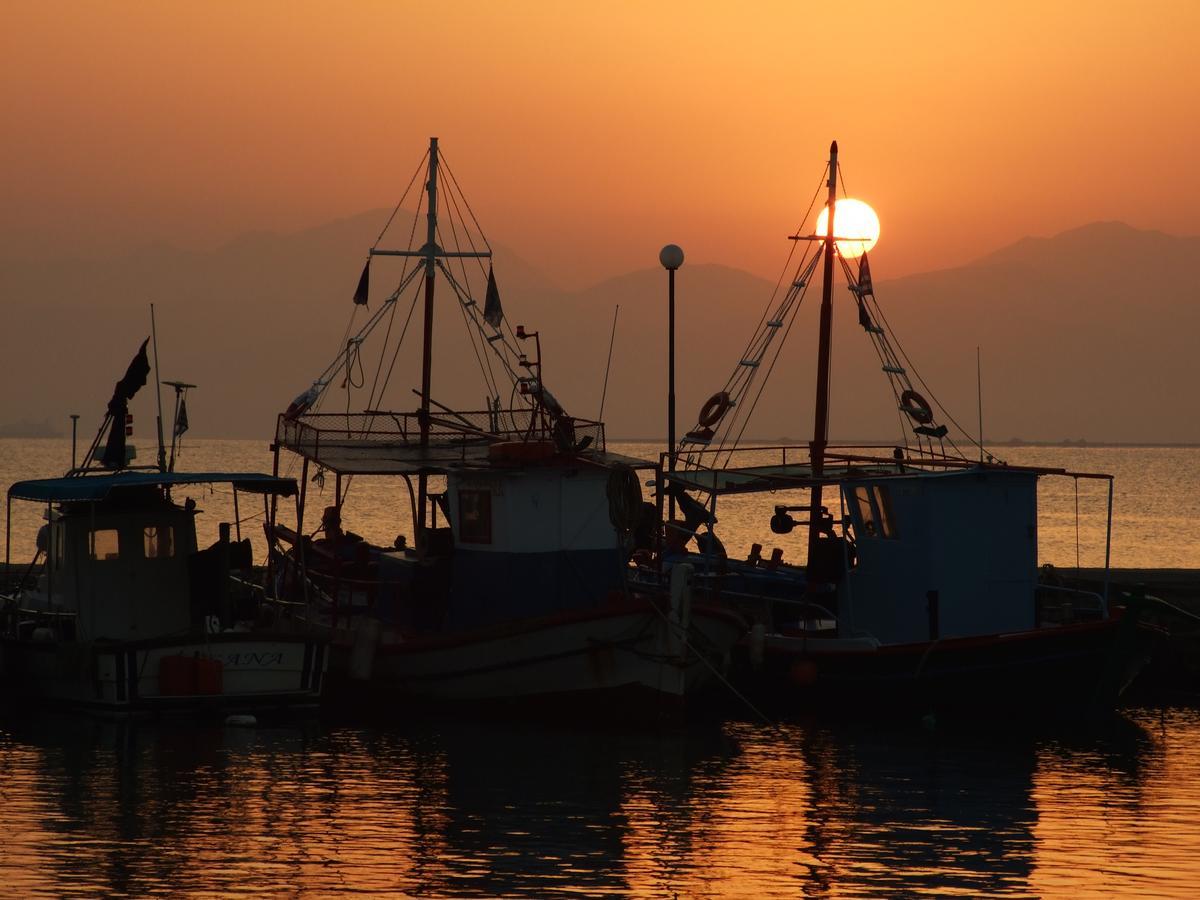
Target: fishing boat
(919,584)
(510,583)
(121,614)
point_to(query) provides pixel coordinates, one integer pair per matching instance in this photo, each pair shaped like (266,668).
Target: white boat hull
(628,649)
(221,672)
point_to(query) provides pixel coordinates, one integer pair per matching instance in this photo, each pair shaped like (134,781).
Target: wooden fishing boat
(511,583)
(920,584)
(128,617)
(121,614)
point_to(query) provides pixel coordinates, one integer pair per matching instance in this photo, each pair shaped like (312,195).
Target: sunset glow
(851,219)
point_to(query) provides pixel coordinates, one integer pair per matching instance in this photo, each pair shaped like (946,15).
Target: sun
(851,219)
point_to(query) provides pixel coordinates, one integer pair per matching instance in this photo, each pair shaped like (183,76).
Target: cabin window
(57,543)
(874,507)
(866,511)
(103,543)
(159,541)
(475,517)
(883,511)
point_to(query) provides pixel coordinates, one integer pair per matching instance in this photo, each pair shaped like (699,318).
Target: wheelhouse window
(874,507)
(883,511)
(475,517)
(159,541)
(866,511)
(104,543)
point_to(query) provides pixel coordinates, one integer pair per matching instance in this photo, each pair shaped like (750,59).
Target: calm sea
(1156,502)
(439,808)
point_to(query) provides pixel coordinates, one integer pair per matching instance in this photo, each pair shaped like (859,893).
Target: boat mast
(821,425)
(430,253)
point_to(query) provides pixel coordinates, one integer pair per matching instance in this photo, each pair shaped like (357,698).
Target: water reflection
(491,809)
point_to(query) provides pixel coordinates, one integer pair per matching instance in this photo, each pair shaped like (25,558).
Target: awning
(99,487)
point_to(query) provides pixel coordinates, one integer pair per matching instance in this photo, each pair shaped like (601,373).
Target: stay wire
(399,204)
(485,360)
(376,394)
(726,445)
(765,336)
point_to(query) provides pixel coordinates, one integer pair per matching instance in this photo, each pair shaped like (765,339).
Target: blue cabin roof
(99,487)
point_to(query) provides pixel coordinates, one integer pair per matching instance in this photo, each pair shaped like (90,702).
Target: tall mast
(431,254)
(821,425)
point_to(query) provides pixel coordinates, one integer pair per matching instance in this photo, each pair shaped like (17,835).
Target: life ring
(916,407)
(714,409)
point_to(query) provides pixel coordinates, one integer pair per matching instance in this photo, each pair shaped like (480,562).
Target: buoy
(241,720)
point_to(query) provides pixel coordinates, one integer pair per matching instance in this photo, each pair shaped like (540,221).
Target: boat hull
(634,650)
(1076,668)
(219,673)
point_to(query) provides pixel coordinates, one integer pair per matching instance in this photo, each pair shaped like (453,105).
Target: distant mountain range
(1087,335)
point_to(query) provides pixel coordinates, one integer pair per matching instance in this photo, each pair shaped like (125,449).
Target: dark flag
(864,276)
(135,377)
(118,408)
(492,313)
(864,317)
(181,422)
(364,285)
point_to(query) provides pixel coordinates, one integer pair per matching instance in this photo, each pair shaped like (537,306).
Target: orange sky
(587,135)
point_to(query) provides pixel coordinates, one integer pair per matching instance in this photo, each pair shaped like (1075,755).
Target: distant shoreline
(774,442)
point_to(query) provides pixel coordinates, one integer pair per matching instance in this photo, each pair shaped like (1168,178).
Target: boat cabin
(941,554)
(121,560)
(529,542)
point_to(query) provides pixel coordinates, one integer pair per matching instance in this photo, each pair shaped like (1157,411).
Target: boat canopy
(99,487)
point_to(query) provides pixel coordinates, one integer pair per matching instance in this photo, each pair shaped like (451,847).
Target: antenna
(979,390)
(612,338)
(162,452)
(74,433)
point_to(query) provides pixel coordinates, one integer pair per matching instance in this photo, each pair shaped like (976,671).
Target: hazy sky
(587,135)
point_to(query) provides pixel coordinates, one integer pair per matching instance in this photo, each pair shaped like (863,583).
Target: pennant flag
(364,285)
(135,377)
(181,422)
(492,313)
(864,317)
(864,276)
(118,408)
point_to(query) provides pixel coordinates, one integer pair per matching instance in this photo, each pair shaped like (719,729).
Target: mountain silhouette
(1087,334)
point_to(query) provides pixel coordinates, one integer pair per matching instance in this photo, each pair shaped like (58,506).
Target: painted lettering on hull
(256,660)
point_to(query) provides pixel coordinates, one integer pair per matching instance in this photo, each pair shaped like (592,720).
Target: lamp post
(671,257)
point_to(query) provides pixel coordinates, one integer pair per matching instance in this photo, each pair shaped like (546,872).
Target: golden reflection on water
(487,810)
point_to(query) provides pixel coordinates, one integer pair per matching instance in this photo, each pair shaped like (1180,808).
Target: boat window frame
(158,528)
(474,516)
(872,504)
(883,510)
(91,544)
(58,542)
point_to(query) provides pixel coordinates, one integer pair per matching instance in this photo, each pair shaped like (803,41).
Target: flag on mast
(864,276)
(181,420)
(493,314)
(118,407)
(364,285)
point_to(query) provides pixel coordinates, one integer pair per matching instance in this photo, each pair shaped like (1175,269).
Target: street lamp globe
(671,256)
